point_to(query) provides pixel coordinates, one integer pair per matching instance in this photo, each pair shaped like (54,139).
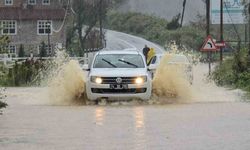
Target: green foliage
(21,52)
(174,24)
(43,51)
(2,104)
(2,96)
(4,40)
(234,72)
(224,74)
(156,29)
(149,27)
(21,74)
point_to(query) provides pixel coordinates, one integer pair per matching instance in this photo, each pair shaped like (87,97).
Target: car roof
(119,52)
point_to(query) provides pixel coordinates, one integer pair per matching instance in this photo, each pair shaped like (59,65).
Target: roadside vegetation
(156,29)
(234,71)
(2,96)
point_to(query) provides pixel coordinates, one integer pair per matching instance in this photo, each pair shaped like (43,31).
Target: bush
(224,74)
(3,105)
(2,96)
(21,52)
(234,72)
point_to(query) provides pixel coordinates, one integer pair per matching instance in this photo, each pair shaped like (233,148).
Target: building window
(32,2)
(11,49)
(44,27)
(46,2)
(8,2)
(9,27)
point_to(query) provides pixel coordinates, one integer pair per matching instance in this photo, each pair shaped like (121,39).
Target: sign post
(209,46)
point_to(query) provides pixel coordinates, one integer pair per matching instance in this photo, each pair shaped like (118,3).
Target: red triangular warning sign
(209,44)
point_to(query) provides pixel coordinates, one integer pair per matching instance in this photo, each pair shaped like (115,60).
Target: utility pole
(101,23)
(183,11)
(221,30)
(48,31)
(208,32)
(248,28)
(248,33)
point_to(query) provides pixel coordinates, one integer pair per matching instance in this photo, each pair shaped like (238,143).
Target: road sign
(209,44)
(233,12)
(221,44)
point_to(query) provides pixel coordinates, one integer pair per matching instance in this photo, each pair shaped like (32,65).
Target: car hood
(118,72)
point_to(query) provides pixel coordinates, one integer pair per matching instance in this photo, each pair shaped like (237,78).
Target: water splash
(170,82)
(68,85)
(63,81)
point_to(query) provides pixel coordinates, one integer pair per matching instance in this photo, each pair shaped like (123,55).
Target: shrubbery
(2,96)
(21,74)
(234,72)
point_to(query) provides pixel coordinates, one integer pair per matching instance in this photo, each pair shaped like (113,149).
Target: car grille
(112,80)
(119,91)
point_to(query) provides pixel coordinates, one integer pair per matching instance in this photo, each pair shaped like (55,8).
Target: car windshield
(119,61)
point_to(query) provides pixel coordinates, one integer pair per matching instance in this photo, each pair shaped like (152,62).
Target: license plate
(119,86)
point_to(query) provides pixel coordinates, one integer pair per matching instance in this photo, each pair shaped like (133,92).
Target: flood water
(214,118)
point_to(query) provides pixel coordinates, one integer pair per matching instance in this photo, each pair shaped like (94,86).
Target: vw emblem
(118,80)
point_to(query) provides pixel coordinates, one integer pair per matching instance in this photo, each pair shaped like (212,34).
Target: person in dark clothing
(145,51)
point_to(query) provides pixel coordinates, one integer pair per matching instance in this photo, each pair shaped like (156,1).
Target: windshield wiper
(129,63)
(108,62)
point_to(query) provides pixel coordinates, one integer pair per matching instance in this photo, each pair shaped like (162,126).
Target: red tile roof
(17,13)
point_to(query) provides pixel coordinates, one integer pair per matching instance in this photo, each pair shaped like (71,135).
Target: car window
(119,61)
(153,60)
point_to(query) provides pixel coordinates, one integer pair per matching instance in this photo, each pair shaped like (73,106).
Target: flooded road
(215,118)
(25,126)
(212,118)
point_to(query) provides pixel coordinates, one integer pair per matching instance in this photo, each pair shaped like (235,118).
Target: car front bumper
(133,91)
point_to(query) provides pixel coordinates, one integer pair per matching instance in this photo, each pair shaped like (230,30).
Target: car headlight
(95,79)
(140,80)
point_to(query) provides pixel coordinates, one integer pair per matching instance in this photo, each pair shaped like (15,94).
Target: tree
(43,50)
(4,41)
(174,23)
(21,52)
(87,15)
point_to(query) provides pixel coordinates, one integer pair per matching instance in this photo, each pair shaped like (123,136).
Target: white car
(176,59)
(118,75)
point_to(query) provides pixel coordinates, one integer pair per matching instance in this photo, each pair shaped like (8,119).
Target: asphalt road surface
(216,119)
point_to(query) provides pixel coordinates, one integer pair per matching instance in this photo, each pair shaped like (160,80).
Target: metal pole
(101,23)
(249,29)
(183,11)
(221,29)
(48,30)
(208,33)
(245,42)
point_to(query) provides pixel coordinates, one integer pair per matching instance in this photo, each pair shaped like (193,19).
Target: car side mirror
(85,67)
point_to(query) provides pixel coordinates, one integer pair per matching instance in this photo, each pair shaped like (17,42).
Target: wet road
(175,126)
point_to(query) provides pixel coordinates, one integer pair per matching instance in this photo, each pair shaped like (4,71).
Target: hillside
(165,8)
